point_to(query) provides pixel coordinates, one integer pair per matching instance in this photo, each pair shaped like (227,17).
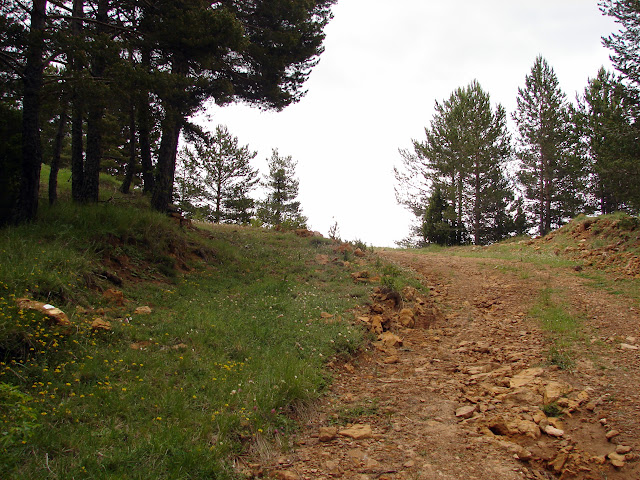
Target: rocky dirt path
(460,395)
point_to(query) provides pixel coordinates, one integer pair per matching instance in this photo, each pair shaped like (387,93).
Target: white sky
(385,65)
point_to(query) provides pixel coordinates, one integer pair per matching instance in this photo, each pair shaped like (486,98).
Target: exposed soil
(473,344)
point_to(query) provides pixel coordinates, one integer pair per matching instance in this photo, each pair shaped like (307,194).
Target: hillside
(177,348)
(195,351)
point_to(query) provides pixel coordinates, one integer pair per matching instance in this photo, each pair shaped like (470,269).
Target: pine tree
(436,228)
(464,153)
(626,43)
(550,171)
(216,176)
(609,114)
(281,207)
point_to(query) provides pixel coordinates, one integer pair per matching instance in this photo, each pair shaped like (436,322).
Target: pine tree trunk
(144,132)
(131,165)
(77,110)
(476,204)
(31,147)
(91,185)
(165,169)
(541,217)
(55,159)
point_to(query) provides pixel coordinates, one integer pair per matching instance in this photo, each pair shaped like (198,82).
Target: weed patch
(562,329)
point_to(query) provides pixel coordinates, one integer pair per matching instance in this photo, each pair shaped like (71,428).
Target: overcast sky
(385,65)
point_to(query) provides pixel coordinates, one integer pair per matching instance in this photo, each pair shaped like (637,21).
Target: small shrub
(391,271)
(360,244)
(552,410)
(391,283)
(561,358)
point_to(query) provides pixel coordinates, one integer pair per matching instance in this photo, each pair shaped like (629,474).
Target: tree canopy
(550,171)
(152,65)
(466,147)
(215,177)
(281,206)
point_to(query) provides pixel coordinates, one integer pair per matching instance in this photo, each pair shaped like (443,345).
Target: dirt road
(472,394)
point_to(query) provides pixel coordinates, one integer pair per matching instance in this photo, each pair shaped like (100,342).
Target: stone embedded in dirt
(553,431)
(101,324)
(523,396)
(356,455)
(518,426)
(322,259)
(327,434)
(409,293)
(407,318)
(145,310)
(582,397)
(371,464)
(623,449)
(285,475)
(539,416)
(554,390)
(616,460)
(555,422)
(525,377)
(114,296)
(558,463)
(333,466)
(626,346)
(55,314)
(357,432)
(612,434)
(377,324)
(390,339)
(391,360)
(466,412)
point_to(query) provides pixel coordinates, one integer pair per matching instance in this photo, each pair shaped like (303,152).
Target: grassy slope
(234,344)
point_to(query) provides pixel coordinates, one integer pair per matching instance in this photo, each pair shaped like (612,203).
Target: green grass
(357,413)
(563,329)
(509,251)
(234,346)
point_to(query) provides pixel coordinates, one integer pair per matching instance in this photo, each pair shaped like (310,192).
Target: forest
(471,181)
(102,86)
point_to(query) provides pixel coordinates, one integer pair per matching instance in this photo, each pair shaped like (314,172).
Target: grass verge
(235,343)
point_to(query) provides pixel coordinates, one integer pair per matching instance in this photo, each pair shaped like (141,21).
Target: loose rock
(51,312)
(553,431)
(466,411)
(101,324)
(616,460)
(612,434)
(327,434)
(357,432)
